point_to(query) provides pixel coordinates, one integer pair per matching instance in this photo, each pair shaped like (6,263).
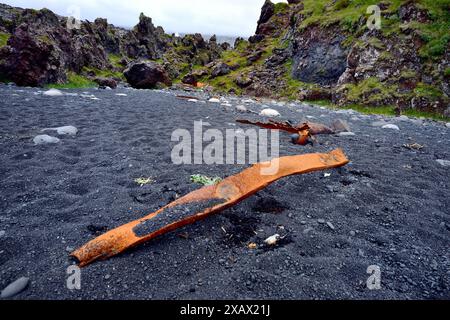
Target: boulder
(220,69)
(146,75)
(106,82)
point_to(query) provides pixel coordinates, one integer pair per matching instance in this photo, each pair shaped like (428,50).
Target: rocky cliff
(324,50)
(38,48)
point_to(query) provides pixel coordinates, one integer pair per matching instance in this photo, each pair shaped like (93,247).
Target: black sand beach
(389,207)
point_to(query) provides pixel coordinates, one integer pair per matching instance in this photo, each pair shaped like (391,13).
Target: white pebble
(53,93)
(270,113)
(214,100)
(121,94)
(444,163)
(15,288)
(241,108)
(64,131)
(391,126)
(45,139)
(193,100)
(273,240)
(346,134)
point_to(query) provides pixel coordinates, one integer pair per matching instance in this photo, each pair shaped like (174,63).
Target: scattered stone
(444,163)
(353,233)
(270,113)
(15,288)
(45,139)
(346,134)
(273,240)
(2,233)
(228,105)
(379,123)
(107,277)
(64,131)
(106,83)
(340,126)
(121,94)
(214,100)
(146,75)
(447,124)
(53,93)
(331,226)
(252,246)
(403,118)
(294,138)
(70,249)
(241,108)
(321,221)
(391,126)
(193,100)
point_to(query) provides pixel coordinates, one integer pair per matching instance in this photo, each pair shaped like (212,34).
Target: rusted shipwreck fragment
(204,202)
(305,131)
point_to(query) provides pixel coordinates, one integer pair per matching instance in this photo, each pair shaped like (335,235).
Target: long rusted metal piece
(304,130)
(204,202)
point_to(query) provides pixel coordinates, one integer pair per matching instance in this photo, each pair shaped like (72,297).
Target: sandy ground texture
(389,207)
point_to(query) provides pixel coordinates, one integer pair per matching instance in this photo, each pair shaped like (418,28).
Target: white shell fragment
(270,113)
(273,240)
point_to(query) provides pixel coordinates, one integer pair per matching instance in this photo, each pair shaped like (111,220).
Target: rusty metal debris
(306,131)
(202,203)
(413,146)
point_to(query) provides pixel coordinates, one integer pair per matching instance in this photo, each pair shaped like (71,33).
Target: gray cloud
(222,17)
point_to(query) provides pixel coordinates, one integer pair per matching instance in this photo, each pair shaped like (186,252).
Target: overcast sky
(221,17)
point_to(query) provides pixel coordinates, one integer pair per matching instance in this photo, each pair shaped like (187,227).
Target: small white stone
(15,288)
(273,240)
(53,93)
(379,123)
(214,100)
(193,100)
(45,139)
(2,233)
(270,113)
(227,105)
(64,131)
(391,126)
(447,124)
(346,134)
(241,108)
(121,94)
(444,163)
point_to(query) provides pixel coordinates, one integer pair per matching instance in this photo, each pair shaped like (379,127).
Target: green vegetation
(447,73)
(104,73)
(423,114)
(143,181)
(371,90)
(383,110)
(4,37)
(204,180)
(74,81)
(427,91)
(281,7)
(347,13)
(115,60)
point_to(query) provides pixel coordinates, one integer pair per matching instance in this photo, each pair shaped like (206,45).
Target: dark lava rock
(106,82)
(220,69)
(146,75)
